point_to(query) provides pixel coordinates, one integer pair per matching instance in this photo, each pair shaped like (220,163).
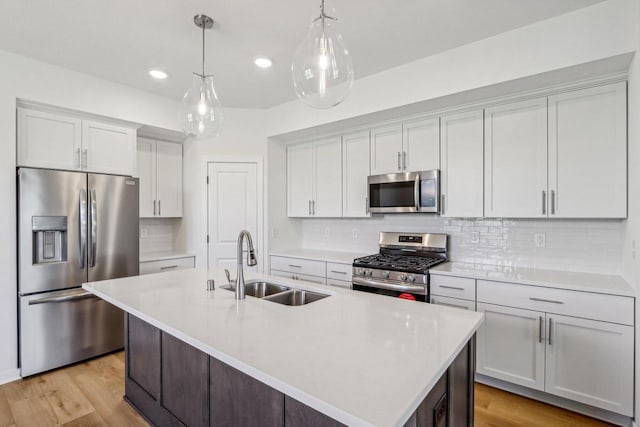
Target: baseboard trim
(581,408)
(9,376)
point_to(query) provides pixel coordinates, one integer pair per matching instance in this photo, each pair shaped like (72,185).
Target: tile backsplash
(573,245)
(159,237)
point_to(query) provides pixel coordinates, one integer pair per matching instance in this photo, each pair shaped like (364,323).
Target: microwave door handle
(416,192)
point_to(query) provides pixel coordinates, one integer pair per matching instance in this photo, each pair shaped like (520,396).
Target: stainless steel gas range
(401,268)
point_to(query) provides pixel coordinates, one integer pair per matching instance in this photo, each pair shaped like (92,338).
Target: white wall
(33,80)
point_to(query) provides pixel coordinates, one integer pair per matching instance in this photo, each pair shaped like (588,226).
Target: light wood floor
(90,394)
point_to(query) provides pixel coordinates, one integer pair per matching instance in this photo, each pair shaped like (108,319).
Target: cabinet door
(355,171)
(511,345)
(48,140)
(590,362)
(327,168)
(299,180)
(169,179)
(108,148)
(143,355)
(386,149)
(421,142)
(462,164)
(515,178)
(146,171)
(588,153)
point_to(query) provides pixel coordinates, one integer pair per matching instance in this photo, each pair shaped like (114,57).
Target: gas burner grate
(404,263)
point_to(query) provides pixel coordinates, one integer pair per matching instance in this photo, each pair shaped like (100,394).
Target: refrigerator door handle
(64,298)
(94,227)
(83,227)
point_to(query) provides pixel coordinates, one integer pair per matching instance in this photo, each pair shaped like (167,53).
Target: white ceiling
(120,40)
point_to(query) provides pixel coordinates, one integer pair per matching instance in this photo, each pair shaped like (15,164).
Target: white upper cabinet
(327,167)
(386,149)
(355,170)
(515,143)
(421,143)
(159,167)
(588,153)
(461,164)
(49,140)
(59,141)
(299,179)
(108,149)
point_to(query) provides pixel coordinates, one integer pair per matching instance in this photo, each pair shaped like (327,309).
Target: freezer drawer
(59,328)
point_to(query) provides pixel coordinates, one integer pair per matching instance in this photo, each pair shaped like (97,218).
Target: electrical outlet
(143,232)
(354,233)
(633,249)
(274,233)
(540,240)
(475,237)
(327,232)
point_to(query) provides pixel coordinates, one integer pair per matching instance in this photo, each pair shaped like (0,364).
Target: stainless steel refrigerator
(72,228)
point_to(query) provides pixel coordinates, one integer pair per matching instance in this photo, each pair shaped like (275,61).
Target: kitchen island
(200,357)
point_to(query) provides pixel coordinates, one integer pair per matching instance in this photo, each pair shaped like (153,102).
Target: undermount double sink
(279,293)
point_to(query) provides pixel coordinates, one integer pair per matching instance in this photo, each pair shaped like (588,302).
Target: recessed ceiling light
(158,74)
(262,62)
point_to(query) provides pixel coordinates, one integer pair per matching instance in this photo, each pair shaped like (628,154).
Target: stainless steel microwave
(405,192)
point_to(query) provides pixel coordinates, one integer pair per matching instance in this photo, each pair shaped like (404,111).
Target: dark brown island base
(174,384)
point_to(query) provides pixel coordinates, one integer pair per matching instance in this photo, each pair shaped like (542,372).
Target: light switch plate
(475,237)
(354,233)
(540,240)
(143,232)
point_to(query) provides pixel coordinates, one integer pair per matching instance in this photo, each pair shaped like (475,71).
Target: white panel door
(590,362)
(146,172)
(299,180)
(386,149)
(515,144)
(233,207)
(169,179)
(108,148)
(355,171)
(511,345)
(462,165)
(327,169)
(421,142)
(588,153)
(48,140)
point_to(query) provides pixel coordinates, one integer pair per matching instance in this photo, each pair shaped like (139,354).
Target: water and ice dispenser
(49,239)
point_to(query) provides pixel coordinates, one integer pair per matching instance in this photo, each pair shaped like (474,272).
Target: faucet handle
(231,283)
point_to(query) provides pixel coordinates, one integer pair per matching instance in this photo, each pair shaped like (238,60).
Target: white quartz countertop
(320,255)
(360,358)
(164,257)
(586,282)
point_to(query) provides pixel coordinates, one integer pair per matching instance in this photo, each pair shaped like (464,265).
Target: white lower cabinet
(591,362)
(510,345)
(310,270)
(162,266)
(298,276)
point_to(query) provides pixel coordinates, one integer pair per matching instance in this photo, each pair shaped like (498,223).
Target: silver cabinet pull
(451,287)
(544,202)
(154,208)
(553,202)
(540,322)
(552,301)
(295,266)
(85,155)
(399,165)
(79,159)
(83,227)
(93,217)
(404,160)
(168,267)
(338,272)
(442,204)
(309,207)
(313,207)
(550,330)
(159,208)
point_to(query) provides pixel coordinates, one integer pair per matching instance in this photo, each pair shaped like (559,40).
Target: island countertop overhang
(359,358)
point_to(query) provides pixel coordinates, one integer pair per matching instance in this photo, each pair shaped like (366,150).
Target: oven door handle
(415,289)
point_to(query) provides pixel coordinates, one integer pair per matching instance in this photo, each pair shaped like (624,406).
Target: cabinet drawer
(454,302)
(151,267)
(587,305)
(339,283)
(339,271)
(455,287)
(301,266)
(302,277)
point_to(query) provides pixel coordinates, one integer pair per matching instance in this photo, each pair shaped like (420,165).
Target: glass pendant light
(322,68)
(200,109)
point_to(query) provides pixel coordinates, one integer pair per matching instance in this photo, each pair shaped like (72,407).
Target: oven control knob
(403,276)
(360,271)
(385,274)
(412,278)
(370,273)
